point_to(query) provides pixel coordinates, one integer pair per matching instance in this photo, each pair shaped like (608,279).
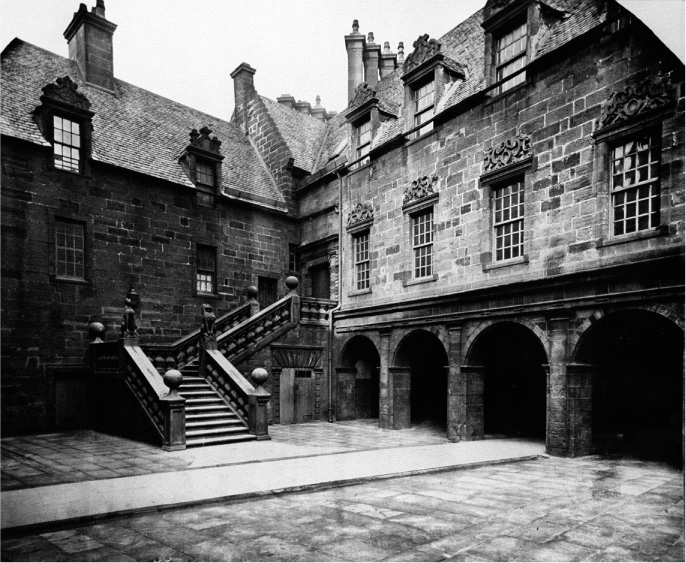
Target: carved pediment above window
(362,213)
(636,99)
(419,189)
(424,49)
(202,140)
(64,91)
(508,152)
(363,93)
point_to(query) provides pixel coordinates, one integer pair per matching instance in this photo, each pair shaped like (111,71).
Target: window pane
(69,249)
(66,144)
(507,220)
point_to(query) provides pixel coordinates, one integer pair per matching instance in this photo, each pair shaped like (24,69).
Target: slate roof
(465,44)
(135,129)
(302,132)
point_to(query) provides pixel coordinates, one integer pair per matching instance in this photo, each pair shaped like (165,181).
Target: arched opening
(424,355)
(512,359)
(637,398)
(358,380)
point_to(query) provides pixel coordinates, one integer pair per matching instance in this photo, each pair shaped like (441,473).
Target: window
(424,107)
(321,281)
(206,269)
(364,139)
(66,144)
(635,171)
(508,220)
(511,57)
(422,243)
(204,174)
(361,252)
(70,250)
(293,263)
(266,291)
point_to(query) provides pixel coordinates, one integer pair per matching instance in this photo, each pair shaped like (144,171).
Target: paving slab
(73,501)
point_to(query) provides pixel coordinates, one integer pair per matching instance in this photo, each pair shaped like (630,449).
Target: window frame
(201,247)
(505,84)
(54,217)
(503,223)
(79,148)
(425,110)
(419,247)
(359,264)
(363,149)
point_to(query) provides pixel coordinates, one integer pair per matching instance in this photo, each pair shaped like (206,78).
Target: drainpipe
(340,288)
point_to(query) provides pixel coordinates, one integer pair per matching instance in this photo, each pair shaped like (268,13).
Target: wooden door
(296,395)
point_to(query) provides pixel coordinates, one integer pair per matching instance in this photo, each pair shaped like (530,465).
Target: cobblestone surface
(556,509)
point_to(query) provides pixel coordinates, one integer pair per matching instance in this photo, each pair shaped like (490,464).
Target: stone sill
(417,281)
(662,230)
(70,280)
(360,292)
(505,263)
(208,295)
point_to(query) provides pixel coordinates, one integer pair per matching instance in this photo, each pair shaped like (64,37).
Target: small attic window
(67,144)
(424,98)
(510,50)
(363,139)
(204,174)
(202,163)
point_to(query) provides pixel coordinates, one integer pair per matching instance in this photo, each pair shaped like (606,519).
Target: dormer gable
(202,162)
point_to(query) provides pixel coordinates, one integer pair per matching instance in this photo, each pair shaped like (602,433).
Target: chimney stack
(286,100)
(318,112)
(354,44)
(372,56)
(303,107)
(244,92)
(89,36)
(388,60)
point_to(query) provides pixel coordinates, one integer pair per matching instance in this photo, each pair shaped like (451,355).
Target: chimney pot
(99,9)
(318,101)
(386,47)
(370,37)
(356,27)
(401,52)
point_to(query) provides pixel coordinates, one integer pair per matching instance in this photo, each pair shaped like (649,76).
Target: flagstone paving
(556,509)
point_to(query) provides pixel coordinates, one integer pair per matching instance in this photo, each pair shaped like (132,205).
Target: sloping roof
(135,129)
(302,132)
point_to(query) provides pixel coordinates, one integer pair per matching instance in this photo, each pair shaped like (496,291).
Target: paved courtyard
(554,509)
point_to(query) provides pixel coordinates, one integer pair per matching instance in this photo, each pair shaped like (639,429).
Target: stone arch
(575,338)
(358,378)
(483,326)
(400,336)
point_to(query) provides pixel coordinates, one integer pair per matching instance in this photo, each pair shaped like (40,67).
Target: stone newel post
(257,420)
(292,285)
(252,299)
(208,338)
(174,407)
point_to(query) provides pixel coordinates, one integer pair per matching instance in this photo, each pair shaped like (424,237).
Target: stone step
(205,441)
(191,409)
(203,415)
(224,423)
(211,432)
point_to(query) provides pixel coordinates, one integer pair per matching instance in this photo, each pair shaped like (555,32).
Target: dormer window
(202,163)
(424,98)
(66,144)
(363,138)
(204,174)
(511,57)
(64,118)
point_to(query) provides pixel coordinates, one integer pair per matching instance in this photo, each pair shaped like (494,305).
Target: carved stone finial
(356,26)
(259,376)
(96,331)
(636,99)
(207,329)
(424,49)
(419,189)
(361,213)
(173,379)
(65,90)
(292,283)
(202,140)
(508,152)
(363,93)
(128,324)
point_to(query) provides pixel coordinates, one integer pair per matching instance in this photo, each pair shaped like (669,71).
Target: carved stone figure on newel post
(129,330)
(209,337)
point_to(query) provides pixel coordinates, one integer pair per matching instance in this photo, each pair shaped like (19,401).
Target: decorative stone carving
(64,90)
(420,188)
(208,319)
(128,324)
(361,213)
(424,49)
(508,152)
(363,93)
(636,99)
(202,140)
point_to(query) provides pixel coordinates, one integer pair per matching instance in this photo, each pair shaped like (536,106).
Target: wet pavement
(549,509)
(72,457)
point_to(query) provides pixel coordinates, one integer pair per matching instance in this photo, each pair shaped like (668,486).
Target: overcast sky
(185,50)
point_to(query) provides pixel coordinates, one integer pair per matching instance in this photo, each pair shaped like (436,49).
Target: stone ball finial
(356,26)
(259,376)
(96,331)
(292,283)
(252,292)
(173,379)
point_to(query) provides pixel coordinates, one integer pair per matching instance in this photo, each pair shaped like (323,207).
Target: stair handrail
(178,354)
(261,328)
(316,310)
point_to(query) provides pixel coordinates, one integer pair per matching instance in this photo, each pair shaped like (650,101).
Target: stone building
(488,238)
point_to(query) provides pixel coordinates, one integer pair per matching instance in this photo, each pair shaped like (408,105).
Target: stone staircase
(209,420)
